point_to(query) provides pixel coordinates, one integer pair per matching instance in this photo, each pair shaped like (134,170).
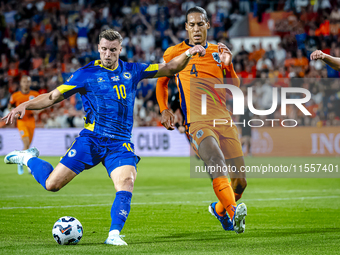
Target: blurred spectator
(301,60)
(280,55)
(270,52)
(10,15)
(256,54)
(82,29)
(335,14)
(264,63)
(244,6)
(236,16)
(52,121)
(4,99)
(312,42)
(290,61)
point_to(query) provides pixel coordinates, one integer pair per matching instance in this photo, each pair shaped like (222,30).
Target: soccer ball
(67,230)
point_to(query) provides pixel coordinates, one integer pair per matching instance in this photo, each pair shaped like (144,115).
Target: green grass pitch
(169,213)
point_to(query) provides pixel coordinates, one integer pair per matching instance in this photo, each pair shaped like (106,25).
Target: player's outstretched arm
(162,99)
(329,60)
(38,103)
(178,63)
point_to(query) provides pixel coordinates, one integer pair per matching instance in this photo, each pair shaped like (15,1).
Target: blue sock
(120,210)
(40,169)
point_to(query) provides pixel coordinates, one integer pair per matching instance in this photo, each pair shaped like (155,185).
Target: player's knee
(126,183)
(214,160)
(52,186)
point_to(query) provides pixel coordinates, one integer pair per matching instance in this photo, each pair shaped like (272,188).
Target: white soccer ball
(67,230)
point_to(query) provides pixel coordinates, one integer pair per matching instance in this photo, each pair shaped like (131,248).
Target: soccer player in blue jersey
(108,90)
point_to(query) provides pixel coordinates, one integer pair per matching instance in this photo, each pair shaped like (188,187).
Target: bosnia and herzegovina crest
(216,57)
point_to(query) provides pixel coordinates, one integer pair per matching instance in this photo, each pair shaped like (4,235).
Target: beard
(109,64)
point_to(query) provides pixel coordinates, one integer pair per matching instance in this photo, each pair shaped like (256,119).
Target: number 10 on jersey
(121,92)
(128,146)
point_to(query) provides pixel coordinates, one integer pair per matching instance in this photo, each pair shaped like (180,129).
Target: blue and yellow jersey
(108,95)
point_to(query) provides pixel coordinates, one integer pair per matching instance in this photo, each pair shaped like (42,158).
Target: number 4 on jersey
(193,70)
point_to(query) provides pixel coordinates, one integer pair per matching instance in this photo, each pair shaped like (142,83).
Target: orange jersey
(199,77)
(18,98)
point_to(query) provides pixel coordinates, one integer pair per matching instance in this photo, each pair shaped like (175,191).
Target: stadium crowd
(49,40)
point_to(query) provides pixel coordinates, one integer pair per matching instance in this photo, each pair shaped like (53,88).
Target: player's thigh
(209,150)
(85,152)
(23,130)
(60,176)
(205,142)
(230,143)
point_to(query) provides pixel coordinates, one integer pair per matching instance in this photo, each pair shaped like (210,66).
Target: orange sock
(225,194)
(238,196)
(219,208)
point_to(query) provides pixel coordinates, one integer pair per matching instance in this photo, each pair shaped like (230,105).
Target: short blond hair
(110,35)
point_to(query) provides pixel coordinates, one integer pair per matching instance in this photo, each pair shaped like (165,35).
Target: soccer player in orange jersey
(216,146)
(26,125)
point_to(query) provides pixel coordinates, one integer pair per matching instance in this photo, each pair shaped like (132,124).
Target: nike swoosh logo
(64,230)
(10,157)
(222,189)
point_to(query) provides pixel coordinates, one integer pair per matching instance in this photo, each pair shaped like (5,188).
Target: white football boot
(239,222)
(115,240)
(21,157)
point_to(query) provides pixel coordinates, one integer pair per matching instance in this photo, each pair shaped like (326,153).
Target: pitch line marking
(160,203)
(162,193)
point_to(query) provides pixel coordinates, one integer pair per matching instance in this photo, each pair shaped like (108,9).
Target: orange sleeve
(168,54)
(162,84)
(230,75)
(13,99)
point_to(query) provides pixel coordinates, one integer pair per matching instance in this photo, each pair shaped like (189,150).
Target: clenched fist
(318,54)
(197,49)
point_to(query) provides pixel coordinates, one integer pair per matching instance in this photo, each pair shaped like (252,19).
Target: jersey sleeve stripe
(183,102)
(64,88)
(151,68)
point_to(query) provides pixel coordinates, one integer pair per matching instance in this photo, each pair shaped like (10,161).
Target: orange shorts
(226,137)
(26,129)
